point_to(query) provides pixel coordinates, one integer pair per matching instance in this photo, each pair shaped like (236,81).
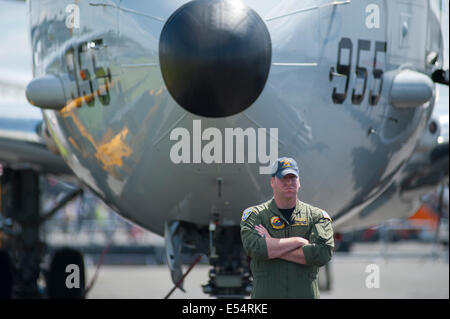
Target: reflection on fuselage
(348,153)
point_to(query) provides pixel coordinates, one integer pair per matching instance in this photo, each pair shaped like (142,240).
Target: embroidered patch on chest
(277,223)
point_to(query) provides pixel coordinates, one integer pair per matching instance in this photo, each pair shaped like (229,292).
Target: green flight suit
(278,278)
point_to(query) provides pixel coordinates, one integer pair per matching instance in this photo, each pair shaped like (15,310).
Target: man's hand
(303,241)
(262,231)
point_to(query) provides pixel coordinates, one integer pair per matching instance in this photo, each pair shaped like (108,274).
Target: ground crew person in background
(286,239)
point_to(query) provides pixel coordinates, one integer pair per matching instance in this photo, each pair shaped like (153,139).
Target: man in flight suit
(287,240)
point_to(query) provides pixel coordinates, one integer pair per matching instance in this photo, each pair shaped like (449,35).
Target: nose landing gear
(230,275)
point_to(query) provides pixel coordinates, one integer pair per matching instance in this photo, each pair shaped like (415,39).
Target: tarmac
(369,271)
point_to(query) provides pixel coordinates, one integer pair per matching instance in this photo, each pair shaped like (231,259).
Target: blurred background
(89,225)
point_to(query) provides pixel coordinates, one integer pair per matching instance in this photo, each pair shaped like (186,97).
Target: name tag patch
(300,221)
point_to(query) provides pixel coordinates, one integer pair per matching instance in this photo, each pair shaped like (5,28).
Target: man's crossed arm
(289,249)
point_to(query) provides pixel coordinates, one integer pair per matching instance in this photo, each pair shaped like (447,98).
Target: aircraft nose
(215,56)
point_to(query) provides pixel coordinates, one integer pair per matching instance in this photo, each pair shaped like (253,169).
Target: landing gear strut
(20,221)
(230,275)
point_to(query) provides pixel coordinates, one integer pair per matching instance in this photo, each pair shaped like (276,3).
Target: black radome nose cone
(215,56)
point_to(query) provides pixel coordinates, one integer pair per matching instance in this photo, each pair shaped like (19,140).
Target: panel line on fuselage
(127,10)
(333,3)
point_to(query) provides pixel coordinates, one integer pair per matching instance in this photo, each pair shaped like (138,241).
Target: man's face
(286,187)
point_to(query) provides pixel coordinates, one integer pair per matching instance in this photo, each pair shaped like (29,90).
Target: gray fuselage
(348,139)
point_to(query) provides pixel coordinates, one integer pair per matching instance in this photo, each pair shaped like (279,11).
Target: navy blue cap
(283,166)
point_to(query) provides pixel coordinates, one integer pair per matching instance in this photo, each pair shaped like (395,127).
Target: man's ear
(272,180)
